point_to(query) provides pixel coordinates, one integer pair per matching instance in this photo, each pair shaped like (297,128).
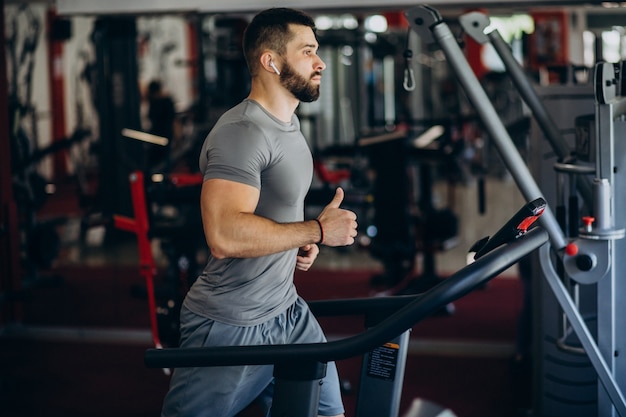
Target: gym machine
(118,103)
(477,26)
(299,368)
(590,259)
(179,234)
(558,356)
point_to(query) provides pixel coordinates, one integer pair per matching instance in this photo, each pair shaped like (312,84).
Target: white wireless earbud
(274,67)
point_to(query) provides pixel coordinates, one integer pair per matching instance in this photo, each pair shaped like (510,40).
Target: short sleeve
(236,152)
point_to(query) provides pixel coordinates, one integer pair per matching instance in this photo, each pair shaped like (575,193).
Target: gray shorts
(225,391)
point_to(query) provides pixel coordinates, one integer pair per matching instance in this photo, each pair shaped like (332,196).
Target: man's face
(300,86)
(301,70)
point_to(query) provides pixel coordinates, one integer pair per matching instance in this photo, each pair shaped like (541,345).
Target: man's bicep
(223,203)
(228,197)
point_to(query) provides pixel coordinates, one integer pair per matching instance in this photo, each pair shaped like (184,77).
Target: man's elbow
(219,249)
(218,254)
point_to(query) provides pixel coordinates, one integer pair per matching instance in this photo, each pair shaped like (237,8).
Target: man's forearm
(248,236)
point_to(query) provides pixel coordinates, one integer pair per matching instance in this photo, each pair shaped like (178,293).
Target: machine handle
(459,284)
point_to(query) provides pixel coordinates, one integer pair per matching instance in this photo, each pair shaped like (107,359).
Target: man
(257,170)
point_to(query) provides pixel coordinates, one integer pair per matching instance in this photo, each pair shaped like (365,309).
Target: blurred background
(104,107)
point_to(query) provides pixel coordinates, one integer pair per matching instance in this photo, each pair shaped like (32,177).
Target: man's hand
(339,225)
(306,256)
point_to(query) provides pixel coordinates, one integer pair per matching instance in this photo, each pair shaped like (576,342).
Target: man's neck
(275,99)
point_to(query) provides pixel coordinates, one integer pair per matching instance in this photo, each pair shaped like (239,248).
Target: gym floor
(79,349)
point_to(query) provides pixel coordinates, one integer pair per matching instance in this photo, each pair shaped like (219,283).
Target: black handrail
(450,289)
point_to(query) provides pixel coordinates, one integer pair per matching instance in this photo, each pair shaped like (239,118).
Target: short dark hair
(269,29)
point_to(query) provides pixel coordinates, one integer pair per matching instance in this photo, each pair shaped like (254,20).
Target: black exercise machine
(299,368)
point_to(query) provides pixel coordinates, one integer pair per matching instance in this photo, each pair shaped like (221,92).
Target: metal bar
(483,106)
(550,130)
(583,333)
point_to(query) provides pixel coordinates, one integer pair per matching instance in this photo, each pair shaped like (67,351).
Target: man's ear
(274,68)
(267,61)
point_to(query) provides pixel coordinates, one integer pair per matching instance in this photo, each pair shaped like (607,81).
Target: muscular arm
(232,230)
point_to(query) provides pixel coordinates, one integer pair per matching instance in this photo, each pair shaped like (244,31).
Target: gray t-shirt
(250,146)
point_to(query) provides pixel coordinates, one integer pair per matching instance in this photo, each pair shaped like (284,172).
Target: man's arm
(232,230)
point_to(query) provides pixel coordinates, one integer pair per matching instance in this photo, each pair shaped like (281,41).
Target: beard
(300,87)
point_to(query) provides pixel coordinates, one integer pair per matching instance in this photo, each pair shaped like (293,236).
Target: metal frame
(477,25)
(596,244)
(429,25)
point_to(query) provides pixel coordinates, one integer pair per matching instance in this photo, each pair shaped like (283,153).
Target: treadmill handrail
(450,289)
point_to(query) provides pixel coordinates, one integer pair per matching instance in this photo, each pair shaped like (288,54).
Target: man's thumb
(337,199)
